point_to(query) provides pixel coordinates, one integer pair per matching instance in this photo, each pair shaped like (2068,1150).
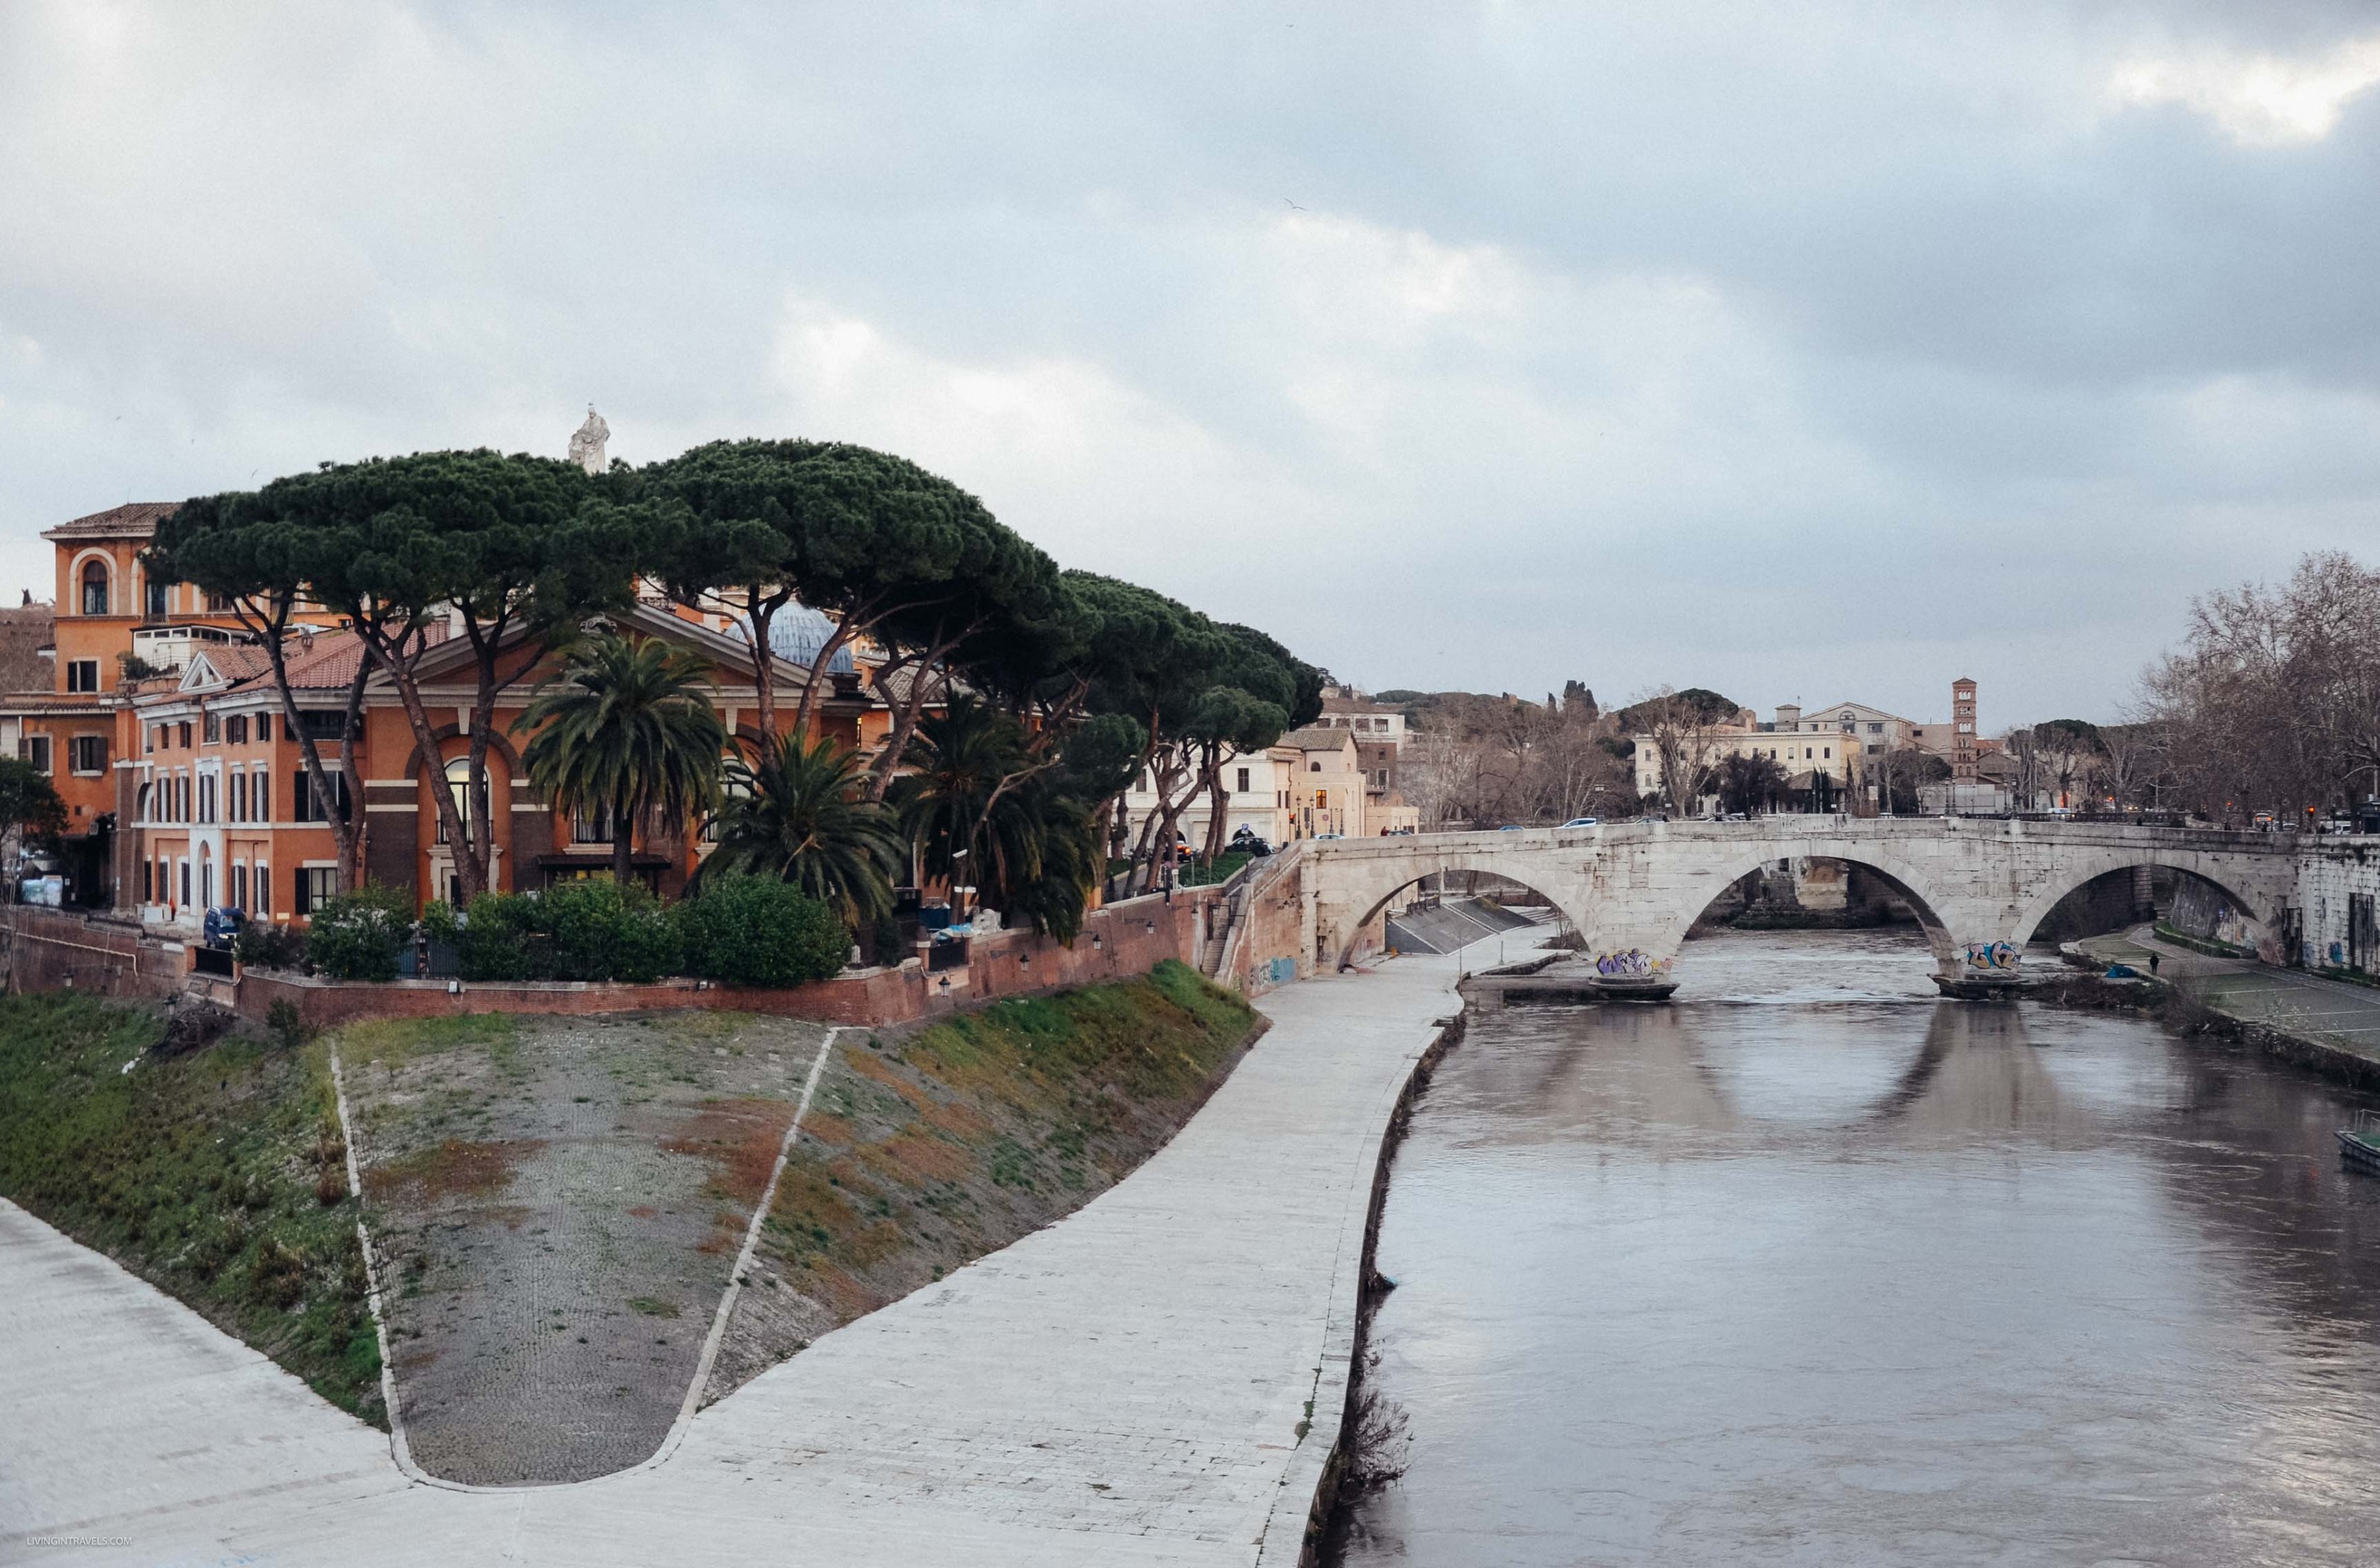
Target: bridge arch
(1381,882)
(2055,889)
(1896,874)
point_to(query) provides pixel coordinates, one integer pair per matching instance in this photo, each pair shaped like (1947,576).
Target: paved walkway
(2333,1012)
(1123,1387)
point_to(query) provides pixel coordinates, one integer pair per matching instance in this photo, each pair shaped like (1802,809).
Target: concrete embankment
(1158,1379)
(2331,1027)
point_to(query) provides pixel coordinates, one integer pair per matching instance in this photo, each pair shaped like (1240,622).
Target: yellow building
(1329,783)
(1802,749)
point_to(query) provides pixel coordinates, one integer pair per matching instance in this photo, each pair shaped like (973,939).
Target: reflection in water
(1858,1276)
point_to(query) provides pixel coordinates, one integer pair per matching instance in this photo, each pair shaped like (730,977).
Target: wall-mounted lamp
(1095,939)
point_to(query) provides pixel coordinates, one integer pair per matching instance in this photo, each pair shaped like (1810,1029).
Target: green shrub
(263,945)
(492,942)
(596,929)
(439,922)
(358,935)
(761,931)
(590,930)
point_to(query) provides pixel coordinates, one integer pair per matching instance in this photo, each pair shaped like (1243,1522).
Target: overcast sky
(1811,350)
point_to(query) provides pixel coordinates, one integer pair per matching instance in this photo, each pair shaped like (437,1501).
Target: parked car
(1584,822)
(1245,842)
(222,926)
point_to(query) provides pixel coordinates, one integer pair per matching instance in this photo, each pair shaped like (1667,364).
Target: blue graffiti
(1993,957)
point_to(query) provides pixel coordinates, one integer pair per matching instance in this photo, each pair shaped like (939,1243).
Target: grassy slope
(924,1153)
(205,1174)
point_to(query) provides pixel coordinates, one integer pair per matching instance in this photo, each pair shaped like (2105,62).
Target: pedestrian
(2153,965)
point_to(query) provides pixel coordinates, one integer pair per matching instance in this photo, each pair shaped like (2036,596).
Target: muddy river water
(1808,1266)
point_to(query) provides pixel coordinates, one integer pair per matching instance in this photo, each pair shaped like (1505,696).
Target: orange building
(112,627)
(167,737)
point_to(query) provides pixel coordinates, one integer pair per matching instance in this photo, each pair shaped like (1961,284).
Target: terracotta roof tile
(23,634)
(134,519)
(330,662)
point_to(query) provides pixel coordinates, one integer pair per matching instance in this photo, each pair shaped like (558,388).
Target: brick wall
(55,949)
(1273,953)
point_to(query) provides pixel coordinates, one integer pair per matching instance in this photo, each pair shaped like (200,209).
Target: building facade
(1380,735)
(113,630)
(154,713)
(224,812)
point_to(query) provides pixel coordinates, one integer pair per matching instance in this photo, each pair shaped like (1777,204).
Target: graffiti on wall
(1631,965)
(1271,973)
(1992,957)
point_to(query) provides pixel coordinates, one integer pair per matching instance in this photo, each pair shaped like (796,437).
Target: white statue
(587,446)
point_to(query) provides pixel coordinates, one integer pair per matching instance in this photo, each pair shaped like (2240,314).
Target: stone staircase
(1220,933)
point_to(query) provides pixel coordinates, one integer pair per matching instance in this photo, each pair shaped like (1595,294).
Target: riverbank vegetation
(219,1176)
(924,1152)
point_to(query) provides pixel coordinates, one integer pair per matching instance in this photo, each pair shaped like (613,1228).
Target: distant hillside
(1474,712)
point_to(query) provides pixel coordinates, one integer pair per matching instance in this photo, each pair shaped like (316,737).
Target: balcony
(168,648)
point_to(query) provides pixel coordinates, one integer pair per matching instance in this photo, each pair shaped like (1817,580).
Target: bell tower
(1962,731)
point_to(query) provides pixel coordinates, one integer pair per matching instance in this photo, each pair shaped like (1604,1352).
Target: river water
(1808,1266)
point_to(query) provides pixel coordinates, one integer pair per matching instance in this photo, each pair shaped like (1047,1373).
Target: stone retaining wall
(56,950)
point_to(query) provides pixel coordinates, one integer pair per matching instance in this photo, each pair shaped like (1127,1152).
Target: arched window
(94,588)
(458,783)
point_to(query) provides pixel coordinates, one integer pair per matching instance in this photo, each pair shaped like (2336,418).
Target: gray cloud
(1797,350)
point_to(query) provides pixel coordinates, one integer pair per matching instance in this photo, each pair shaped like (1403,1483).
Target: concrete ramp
(1450,925)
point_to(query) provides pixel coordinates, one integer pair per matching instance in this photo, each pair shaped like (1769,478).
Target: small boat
(2359,1145)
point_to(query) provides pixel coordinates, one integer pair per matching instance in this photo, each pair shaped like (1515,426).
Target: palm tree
(978,802)
(626,733)
(796,814)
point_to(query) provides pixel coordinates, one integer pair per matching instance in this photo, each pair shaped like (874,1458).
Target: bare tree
(2272,701)
(1681,732)
(1500,760)
(2024,755)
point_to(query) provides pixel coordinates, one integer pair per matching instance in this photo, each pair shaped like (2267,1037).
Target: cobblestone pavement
(1131,1385)
(2334,1012)
(555,1203)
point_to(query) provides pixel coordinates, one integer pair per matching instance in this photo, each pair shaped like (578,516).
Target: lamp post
(958,889)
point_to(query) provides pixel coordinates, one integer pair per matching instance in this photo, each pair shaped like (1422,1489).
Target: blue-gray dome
(798,633)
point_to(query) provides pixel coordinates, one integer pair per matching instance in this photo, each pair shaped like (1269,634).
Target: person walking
(2153,963)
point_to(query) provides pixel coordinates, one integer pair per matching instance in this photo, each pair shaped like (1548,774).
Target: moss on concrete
(218,1176)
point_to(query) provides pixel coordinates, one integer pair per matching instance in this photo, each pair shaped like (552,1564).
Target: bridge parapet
(1979,887)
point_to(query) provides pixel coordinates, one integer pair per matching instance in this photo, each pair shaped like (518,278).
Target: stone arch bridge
(1979,886)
